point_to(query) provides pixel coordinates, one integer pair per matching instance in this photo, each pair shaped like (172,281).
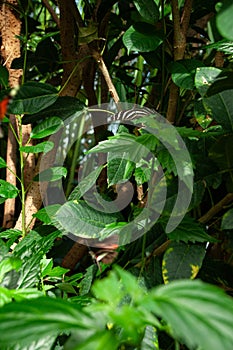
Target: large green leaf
(30,320)
(131,146)
(200,315)
(44,147)
(32,97)
(142,37)
(182,261)
(46,128)
(183,72)
(224,19)
(220,107)
(83,220)
(63,107)
(148,9)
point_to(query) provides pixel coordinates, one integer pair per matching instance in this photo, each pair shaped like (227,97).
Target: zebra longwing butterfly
(133,113)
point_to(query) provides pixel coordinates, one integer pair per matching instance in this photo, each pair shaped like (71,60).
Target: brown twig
(216,208)
(104,71)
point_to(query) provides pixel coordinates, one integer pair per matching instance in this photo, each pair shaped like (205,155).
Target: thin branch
(52,12)
(216,208)
(186,16)
(104,71)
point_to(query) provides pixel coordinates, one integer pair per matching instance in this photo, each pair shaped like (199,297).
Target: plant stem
(75,156)
(23,193)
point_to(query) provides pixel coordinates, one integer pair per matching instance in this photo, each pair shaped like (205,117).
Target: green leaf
(32,97)
(227,220)
(142,172)
(64,107)
(4,76)
(9,264)
(190,230)
(30,320)
(142,37)
(124,143)
(46,128)
(85,184)
(182,261)
(86,283)
(2,163)
(200,315)
(7,190)
(44,147)
(148,9)
(51,174)
(220,107)
(224,81)
(46,214)
(150,339)
(224,19)
(118,169)
(82,220)
(205,77)
(183,72)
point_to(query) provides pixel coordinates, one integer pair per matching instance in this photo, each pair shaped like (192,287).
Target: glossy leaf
(44,147)
(205,77)
(183,73)
(82,220)
(51,174)
(182,261)
(148,9)
(2,163)
(227,220)
(142,37)
(64,107)
(7,190)
(32,97)
(46,128)
(224,19)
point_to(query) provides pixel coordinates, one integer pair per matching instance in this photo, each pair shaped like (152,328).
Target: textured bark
(72,75)
(10,26)
(179,45)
